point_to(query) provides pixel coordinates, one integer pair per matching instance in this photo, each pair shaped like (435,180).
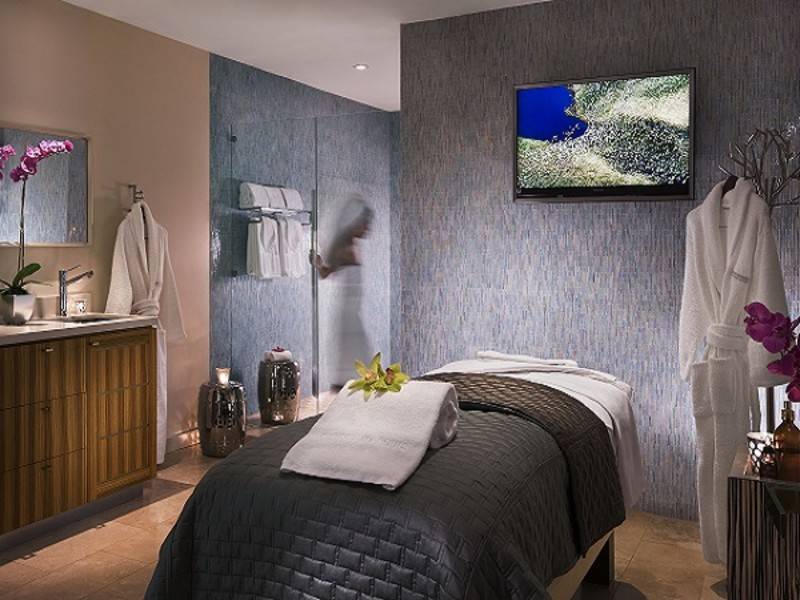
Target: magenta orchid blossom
(6,152)
(34,154)
(776,332)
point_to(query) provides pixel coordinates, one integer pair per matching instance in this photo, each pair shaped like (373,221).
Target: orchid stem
(21,254)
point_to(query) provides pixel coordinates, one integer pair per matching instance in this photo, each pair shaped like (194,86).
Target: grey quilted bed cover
(496,514)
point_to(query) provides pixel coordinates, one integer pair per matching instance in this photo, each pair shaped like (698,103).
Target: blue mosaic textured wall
(600,283)
(274,120)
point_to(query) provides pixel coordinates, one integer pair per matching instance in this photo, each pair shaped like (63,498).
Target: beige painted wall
(144,102)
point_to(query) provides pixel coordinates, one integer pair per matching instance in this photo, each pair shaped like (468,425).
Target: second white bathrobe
(143,283)
(730,262)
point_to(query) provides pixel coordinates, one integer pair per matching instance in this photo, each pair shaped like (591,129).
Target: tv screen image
(611,137)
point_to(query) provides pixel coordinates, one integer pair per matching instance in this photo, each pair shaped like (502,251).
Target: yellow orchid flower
(375,379)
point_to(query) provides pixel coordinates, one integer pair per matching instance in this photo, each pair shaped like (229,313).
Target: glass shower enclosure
(330,161)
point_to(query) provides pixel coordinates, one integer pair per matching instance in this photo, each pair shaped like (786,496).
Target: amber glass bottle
(787,445)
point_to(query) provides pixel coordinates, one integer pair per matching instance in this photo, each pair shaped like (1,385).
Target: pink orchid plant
(776,332)
(28,165)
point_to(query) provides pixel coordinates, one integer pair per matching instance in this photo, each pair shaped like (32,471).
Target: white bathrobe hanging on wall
(143,283)
(731,260)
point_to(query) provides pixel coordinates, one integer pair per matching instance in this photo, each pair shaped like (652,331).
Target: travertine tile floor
(111,556)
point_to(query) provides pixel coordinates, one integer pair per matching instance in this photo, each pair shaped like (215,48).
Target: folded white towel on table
(526,359)
(378,439)
(263,250)
(276,355)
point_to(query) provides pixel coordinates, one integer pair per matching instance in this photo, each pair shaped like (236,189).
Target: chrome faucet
(63,285)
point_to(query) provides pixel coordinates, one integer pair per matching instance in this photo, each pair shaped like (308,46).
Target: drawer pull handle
(46,408)
(95,344)
(49,349)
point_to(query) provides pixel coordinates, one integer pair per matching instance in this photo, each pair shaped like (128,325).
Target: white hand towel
(252,195)
(277,355)
(263,251)
(293,254)
(524,358)
(292,199)
(381,439)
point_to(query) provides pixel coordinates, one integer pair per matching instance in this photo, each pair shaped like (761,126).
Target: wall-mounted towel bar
(256,214)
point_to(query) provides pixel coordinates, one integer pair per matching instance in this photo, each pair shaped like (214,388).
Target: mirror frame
(64,133)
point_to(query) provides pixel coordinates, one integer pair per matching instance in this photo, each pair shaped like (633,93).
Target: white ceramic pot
(17,310)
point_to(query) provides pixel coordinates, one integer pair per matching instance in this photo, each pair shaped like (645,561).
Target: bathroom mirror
(57,196)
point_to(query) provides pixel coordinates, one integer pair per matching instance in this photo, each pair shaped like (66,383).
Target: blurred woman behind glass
(342,264)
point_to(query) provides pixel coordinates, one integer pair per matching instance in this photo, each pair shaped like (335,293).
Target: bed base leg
(602,570)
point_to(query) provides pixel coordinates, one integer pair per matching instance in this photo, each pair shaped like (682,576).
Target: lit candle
(223,376)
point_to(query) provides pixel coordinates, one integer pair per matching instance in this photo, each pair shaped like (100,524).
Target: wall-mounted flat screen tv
(613,138)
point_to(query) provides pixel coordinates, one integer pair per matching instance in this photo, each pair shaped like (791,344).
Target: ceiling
(316,42)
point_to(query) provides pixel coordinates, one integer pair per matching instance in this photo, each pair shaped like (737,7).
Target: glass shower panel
(354,167)
(265,313)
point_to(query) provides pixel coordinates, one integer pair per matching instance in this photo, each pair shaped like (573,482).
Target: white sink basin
(88,318)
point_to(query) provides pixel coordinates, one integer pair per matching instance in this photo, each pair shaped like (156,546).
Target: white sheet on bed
(606,396)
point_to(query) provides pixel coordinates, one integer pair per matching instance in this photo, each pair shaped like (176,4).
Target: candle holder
(223,376)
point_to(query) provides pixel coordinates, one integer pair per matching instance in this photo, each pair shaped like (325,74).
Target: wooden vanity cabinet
(77,421)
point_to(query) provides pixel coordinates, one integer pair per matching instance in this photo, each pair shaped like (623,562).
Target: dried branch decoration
(768,161)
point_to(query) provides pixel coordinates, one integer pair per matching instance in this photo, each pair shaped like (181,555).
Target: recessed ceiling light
(360,67)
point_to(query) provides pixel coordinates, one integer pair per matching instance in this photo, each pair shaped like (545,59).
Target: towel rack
(258,213)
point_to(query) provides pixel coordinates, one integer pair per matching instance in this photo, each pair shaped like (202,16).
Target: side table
(763,535)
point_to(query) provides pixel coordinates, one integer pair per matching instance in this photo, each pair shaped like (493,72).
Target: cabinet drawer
(122,459)
(18,375)
(40,431)
(32,373)
(119,360)
(63,367)
(121,410)
(42,489)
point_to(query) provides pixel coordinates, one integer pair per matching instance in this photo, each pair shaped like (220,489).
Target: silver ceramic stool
(278,391)
(221,418)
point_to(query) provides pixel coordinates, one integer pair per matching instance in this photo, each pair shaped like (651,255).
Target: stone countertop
(42,330)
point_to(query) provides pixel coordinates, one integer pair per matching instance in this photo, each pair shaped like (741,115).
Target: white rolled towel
(525,358)
(380,439)
(255,195)
(278,355)
(252,195)
(292,198)
(275,197)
